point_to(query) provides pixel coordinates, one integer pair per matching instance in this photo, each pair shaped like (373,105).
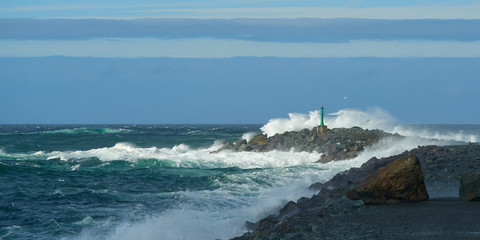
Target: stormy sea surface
(163,182)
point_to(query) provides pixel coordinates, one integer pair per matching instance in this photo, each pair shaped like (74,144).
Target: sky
(398,9)
(234,61)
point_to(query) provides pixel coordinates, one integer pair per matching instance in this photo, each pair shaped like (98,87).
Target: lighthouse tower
(322,128)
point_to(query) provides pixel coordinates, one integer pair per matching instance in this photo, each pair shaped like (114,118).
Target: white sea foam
(211,221)
(248,135)
(270,180)
(294,122)
(220,213)
(179,156)
(372,118)
(183,156)
(448,135)
(83,130)
(251,195)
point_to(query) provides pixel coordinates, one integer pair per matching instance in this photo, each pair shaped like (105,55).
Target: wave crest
(178,156)
(88,131)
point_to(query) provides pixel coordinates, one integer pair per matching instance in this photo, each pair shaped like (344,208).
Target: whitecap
(183,156)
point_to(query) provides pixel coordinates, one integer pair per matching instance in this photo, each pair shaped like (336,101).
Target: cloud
(404,12)
(224,48)
(251,9)
(266,30)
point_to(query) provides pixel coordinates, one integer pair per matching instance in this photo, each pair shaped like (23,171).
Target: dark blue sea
(160,181)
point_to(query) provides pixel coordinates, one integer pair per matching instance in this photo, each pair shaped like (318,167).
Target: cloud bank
(265,30)
(225,48)
(246,9)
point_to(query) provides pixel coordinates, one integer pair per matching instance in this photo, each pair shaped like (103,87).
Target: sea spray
(181,156)
(159,182)
(220,213)
(295,122)
(438,132)
(249,135)
(372,118)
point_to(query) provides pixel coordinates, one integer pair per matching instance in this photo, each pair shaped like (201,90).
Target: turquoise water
(66,181)
(156,181)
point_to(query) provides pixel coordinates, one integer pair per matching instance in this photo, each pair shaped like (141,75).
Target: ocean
(162,181)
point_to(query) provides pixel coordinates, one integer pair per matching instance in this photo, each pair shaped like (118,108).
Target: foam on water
(263,183)
(180,156)
(87,130)
(73,131)
(459,136)
(221,213)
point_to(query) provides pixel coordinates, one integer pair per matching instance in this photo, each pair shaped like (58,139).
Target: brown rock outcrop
(399,181)
(260,139)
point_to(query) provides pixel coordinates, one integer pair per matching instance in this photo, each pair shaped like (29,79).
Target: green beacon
(321,117)
(321,129)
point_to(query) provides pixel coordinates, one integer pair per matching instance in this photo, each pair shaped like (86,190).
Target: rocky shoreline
(342,208)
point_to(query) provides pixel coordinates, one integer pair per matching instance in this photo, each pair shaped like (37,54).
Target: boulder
(288,210)
(399,181)
(470,187)
(260,139)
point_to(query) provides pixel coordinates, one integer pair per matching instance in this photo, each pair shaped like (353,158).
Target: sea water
(164,181)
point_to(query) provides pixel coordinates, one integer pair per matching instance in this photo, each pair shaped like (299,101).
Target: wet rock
(314,218)
(336,144)
(399,181)
(470,187)
(343,205)
(288,210)
(260,139)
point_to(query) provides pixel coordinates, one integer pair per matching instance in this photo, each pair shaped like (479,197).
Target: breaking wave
(74,131)
(179,156)
(372,118)
(87,131)
(247,185)
(221,213)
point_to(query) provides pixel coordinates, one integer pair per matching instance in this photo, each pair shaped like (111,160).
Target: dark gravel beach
(438,218)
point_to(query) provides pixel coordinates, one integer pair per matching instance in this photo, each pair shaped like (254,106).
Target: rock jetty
(336,144)
(330,214)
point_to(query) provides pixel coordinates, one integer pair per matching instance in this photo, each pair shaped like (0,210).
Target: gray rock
(440,165)
(470,187)
(337,143)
